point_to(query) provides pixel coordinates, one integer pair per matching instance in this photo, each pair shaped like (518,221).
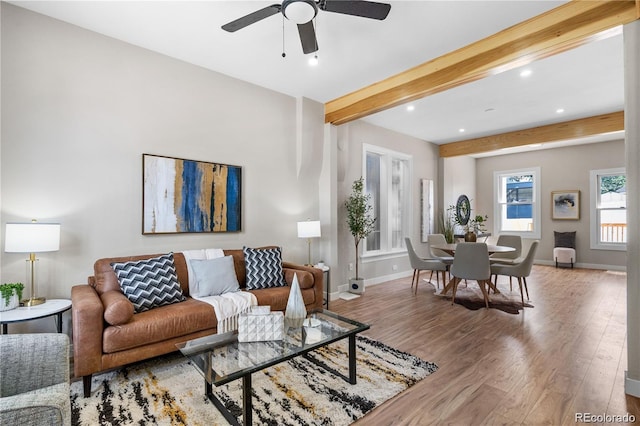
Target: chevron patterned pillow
(149,283)
(264,268)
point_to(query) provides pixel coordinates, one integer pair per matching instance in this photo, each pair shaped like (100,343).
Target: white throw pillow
(214,276)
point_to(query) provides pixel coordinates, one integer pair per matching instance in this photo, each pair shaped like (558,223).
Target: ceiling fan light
(299,11)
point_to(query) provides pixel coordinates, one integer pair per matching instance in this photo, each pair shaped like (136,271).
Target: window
(516,202)
(387,176)
(608,209)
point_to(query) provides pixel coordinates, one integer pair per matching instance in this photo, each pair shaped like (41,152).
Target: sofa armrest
(88,326)
(50,405)
(318,284)
(33,361)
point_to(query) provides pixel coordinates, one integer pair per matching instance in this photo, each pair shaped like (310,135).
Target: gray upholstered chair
(438,239)
(471,262)
(520,270)
(510,257)
(421,264)
(34,389)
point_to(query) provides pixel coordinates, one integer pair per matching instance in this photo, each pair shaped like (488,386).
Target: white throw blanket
(227,306)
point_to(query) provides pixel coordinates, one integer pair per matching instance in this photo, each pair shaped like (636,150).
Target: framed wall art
(565,204)
(190,196)
(426,204)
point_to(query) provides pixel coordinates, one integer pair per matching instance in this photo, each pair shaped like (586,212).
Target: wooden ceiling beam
(565,27)
(566,130)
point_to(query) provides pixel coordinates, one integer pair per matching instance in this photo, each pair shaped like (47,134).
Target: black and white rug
(169,391)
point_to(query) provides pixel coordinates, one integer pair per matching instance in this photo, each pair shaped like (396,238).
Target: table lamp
(309,229)
(32,238)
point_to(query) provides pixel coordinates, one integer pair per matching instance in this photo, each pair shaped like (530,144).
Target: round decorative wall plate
(463,210)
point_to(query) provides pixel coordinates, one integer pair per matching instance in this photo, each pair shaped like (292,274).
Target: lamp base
(33,301)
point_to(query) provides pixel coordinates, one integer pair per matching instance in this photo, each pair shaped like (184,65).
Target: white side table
(28,313)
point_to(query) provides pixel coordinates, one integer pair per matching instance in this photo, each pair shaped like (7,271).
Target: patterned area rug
(169,391)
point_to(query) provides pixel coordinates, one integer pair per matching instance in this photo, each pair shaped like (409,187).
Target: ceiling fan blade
(251,18)
(308,37)
(364,9)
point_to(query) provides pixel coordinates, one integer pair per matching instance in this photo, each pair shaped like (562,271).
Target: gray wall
(351,137)
(561,169)
(78,111)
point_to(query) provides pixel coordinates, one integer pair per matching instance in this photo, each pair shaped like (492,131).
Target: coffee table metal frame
(201,352)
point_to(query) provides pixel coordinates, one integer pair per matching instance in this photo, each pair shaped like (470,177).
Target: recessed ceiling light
(313,61)
(410,107)
(461,130)
(560,110)
(525,73)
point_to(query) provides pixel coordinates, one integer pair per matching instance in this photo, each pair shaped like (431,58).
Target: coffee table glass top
(220,358)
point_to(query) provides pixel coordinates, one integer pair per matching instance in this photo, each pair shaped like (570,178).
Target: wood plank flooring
(566,355)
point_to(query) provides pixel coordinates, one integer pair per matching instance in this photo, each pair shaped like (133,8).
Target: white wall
(350,139)
(79,110)
(561,169)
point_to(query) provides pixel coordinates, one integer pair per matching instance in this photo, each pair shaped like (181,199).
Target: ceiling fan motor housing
(299,11)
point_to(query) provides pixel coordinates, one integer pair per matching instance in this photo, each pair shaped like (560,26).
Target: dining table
(451,250)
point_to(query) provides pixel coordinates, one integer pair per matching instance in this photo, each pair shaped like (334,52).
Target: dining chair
(438,239)
(434,240)
(520,270)
(471,262)
(510,257)
(421,264)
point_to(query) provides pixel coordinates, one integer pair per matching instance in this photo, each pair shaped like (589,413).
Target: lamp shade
(32,237)
(309,229)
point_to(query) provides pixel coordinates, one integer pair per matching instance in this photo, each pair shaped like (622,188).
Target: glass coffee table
(220,358)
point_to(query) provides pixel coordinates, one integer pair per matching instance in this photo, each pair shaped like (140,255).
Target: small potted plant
(360,223)
(11,295)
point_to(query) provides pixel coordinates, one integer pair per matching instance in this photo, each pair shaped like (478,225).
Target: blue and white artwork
(190,196)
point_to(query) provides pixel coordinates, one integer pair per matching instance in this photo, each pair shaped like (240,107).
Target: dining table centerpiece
(470,224)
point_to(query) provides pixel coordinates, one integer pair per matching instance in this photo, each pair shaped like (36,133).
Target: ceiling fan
(302,13)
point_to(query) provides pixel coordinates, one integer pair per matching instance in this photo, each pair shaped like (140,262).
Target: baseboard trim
(370,282)
(584,265)
(631,386)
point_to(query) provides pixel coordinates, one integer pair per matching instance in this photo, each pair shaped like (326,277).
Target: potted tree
(11,295)
(360,223)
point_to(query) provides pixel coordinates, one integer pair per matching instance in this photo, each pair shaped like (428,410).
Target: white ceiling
(355,52)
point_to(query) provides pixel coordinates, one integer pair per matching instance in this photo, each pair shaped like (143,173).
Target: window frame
(387,156)
(536,207)
(594,221)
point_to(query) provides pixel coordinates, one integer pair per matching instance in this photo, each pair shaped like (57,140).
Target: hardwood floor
(567,355)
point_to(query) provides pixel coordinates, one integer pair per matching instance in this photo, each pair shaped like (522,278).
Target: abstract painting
(565,204)
(190,196)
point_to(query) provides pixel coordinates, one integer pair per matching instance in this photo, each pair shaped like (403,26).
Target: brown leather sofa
(106,334)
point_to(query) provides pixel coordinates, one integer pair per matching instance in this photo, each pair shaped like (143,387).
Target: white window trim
(536,210)
(594,224)
(387,254)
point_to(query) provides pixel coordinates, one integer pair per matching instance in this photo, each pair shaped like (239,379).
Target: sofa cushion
(149,283)
(214,276)
(158,325)
(263,268)
(117,308)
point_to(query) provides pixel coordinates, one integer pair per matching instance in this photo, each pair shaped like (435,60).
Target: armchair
(34,389)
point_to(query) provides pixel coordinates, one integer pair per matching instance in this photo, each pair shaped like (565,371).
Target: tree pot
(356,285)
